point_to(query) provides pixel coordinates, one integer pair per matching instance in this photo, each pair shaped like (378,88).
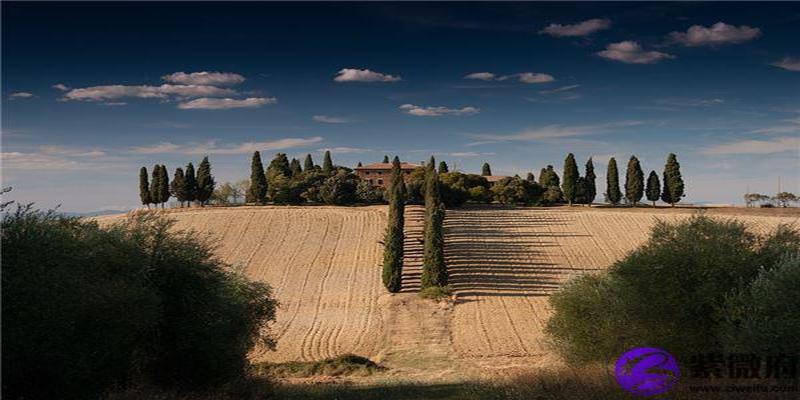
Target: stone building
(380,174)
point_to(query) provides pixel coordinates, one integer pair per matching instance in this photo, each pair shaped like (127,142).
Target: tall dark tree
(613,195)
(327,163)
(672,190)
(144,187)
(434,271)
(295,167)
(393,240)
(178,186)
(653,190)
(634,181)
(308,164)
(590,188)
(549,178)
(543,177)
(386,159)
(486,170)
(163,186)
(569,186)
(280,165)
(257,192)
(191,184)
(205,181)
(443,167)
(530,178)
(155,186)
(359,165)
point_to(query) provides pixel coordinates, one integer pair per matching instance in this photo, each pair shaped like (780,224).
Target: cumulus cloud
(344,150)
(212,147)
(60,86)
(584,28)
(777,145)
(555,132)
(717,34)
(326,119)
(483,76)
(20,95)
(204,78)
(56,158)
(439,111)
(630,52)
(112,92)
(788,63)
(71,152)
(207,103)
(363,75)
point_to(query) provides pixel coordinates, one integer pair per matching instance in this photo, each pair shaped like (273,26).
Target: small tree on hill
(589,186)
(434,272)
(295,167)
(178,186)
(784,198)
(393,240)
(205,181)
(191,184)
(279,165)
(308,164)
(653,190)
(613,195)
(257,192)
(155,196)
(163,186)
(385,159)
(569,186)
(327,163)
(672,190)
(443,169)
(634,181)
(144,187)
(486,170)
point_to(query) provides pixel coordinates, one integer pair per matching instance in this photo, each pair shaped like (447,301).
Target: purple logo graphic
(647,371)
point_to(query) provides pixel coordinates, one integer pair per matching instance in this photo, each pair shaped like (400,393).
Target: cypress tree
(308,164)
(295,167)
(673,182)
(163,186)
(634,181)
(155,196)
(190,181)
(327,163)
(205,181)
(443,167)
(486,170)
(530,178)
(280,165)
(393,241)
(434,272)
(386,159)
(653,187)
(144,187)
(359,164)
(543,178)
(613,195)
(178,186)
(590,188)
(257,193)
(569,186)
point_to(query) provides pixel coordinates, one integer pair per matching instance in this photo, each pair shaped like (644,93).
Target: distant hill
(92,213)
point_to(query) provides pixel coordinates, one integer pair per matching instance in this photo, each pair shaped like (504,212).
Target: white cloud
(363,75)
(212,147)
(326,119)
(112,92)
(630,52)
(777,145)
(36,161)
(584,28)
(788,63)
(555,132)
(560,89)
(344,150)
(680,102)
(20,95)
(793,126)
(71,152)
(420,111)
(717,34)
(60,86)
(465,154)
(483,76)
(204,78)
(206,103)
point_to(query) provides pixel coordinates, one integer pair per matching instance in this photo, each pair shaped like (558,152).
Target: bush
(339,189)
(516,191)
(86,308)
(366,193)
(668,293)
(764,317)
(436,292)
(344,365)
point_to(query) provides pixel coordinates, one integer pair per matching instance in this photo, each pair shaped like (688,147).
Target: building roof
(388,166)
(495,178)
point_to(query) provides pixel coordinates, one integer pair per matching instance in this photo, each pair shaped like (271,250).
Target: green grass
(436,292)
(344,365)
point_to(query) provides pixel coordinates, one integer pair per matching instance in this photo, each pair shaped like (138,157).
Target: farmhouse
(493,179)
(380,174)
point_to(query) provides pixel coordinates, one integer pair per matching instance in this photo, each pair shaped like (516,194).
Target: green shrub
(436,292)
(344,365)
(339,189)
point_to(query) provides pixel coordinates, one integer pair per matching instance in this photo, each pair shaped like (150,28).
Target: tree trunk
(654,204)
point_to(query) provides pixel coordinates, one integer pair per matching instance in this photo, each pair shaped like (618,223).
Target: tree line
(185,186)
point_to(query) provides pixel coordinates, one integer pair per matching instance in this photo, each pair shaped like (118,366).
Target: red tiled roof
(388,166)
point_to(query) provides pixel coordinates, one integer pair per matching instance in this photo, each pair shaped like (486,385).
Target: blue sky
(92,92)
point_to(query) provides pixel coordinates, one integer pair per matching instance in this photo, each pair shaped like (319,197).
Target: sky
(93,91)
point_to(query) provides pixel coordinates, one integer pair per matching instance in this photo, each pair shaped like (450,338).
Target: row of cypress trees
(185,186)
(635,187)
(259,182)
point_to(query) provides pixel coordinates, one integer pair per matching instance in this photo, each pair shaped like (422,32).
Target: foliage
(308,164)
(279,165)
(552,195)
(480,194)
(486,170)
(634,181)
(672,184)
(436,292)
(394,237)
(515,190)
(344,365)
(784,198)
(257,193)
(144,187)
(668,293)
(178,186)
(589,191)
(86,308)
(327,163)
(653,189)
(443,167)
(191,183)
(750,198)
(455,187)
(227,192)
(366,193)
(415,186)
(613,195)
(548,177)
(205,181)
(339,189)
(569,186)
(295,167)
(155,185)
